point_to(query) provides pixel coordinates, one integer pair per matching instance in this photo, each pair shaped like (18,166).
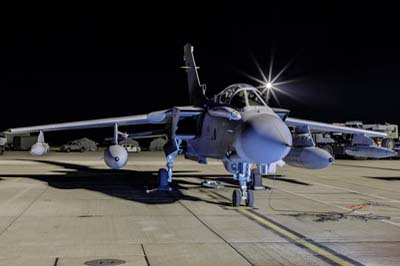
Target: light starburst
(269,85)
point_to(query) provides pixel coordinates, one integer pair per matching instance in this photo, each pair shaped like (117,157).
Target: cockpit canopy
(240,96)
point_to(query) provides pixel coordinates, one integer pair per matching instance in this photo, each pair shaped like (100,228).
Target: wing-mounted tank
(40,147)
(309,157)
(365,147)
(115,156)
(305,154)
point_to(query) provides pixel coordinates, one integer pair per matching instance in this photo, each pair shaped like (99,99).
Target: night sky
(66,63)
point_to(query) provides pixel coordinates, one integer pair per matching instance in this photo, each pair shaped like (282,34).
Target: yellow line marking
(245,211)
(297,239)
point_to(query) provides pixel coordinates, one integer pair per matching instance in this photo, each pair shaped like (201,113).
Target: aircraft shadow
(226,178)
(124,184)
(367,167)
(386,178)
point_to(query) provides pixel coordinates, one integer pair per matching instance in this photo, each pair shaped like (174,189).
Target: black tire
(328,148)
(255,180)
(236,198)
(82,149)
(388,143)
(163,179)
(250,198)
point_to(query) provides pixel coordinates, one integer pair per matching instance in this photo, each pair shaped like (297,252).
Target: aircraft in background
(236,126)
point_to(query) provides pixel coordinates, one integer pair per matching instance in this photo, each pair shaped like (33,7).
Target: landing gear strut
(244,177)
(165,175)
(163,180)
(171,150)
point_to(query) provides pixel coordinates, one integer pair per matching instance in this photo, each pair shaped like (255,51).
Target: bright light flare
(269,85)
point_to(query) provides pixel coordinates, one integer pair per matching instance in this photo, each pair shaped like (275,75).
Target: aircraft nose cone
(264,139)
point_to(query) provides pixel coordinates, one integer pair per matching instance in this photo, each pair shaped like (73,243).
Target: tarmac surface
(69,209)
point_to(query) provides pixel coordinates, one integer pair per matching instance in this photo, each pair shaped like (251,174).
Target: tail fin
(196,90)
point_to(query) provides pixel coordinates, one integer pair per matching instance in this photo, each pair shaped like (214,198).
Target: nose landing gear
(238,195)
(250,199)
(244,177)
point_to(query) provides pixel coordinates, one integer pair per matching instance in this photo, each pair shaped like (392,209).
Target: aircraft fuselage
(260,136)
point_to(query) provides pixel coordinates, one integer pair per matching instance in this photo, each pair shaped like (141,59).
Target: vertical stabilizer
(196,90)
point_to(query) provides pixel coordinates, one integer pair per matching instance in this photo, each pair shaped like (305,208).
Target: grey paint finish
(235,126)
(319,126)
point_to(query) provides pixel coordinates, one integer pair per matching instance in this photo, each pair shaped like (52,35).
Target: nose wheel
(243,175)
(250,198)
(238,195)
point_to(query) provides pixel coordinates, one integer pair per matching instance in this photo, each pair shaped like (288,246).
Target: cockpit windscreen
(240,96)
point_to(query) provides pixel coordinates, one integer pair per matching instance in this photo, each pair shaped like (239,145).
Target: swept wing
(158,117)
(325,127)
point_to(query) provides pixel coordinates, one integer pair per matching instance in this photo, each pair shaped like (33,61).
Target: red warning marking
(358,206)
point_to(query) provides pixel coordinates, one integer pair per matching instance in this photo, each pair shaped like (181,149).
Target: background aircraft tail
(196,90)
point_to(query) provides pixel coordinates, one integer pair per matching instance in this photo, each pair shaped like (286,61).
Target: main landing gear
(165,175)
(171,149)
(163,180)
(244,177)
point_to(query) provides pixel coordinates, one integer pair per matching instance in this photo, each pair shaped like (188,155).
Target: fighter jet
(235,126)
